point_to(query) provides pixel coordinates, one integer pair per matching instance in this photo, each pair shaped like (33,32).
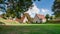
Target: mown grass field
(30,29)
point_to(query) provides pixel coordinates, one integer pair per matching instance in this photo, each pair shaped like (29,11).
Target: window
(40,20)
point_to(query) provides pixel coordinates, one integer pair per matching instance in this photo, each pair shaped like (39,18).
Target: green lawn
(30,29)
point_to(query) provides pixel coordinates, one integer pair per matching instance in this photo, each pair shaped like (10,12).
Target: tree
(35,0)
(56,8)
(1,1)
(21,6)
(17,7)
(51,17)
(47,17)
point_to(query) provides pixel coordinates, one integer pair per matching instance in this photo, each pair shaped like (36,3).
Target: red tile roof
(40,16)
(1,16)
(21,19)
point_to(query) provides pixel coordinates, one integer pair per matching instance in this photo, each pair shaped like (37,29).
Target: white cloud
(1,12)
(34,10)
(44,10)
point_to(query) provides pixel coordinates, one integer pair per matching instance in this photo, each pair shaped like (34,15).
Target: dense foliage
(47,17)
(17,7)
(56,8)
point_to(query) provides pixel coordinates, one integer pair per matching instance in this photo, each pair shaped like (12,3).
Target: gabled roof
(1,16)
(40,16)
(28,17)
(21,19)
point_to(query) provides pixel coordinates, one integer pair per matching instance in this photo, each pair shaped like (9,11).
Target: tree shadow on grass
(1,23)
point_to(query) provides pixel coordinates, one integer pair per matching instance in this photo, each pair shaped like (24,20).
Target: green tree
(20,6)
(56,8)
(51,17)
(47,17)
(17,7)
(1,1)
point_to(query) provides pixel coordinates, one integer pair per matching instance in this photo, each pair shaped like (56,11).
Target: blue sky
(41,7)
(45,5)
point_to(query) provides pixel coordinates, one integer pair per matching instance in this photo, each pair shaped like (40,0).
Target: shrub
(54,21)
